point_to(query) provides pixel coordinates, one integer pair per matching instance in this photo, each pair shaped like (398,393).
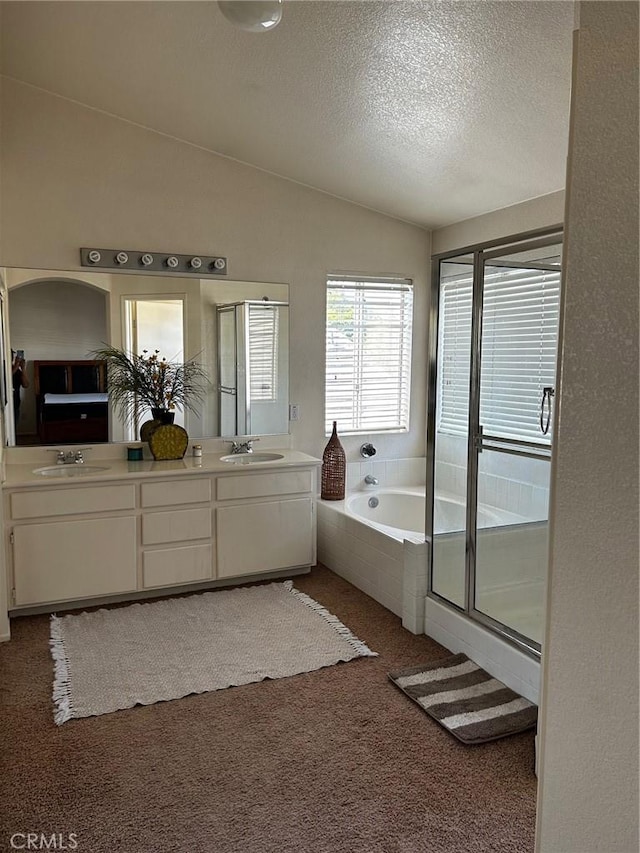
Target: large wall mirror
(238,331)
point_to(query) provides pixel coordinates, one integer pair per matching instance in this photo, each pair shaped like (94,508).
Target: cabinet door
(262,537)
(64,560)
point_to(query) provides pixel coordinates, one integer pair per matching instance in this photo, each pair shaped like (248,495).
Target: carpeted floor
(332,761)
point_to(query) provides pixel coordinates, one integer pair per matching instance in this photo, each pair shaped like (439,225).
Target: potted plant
(148,381)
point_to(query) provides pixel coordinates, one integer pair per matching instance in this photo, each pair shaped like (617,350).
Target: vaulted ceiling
(430,111)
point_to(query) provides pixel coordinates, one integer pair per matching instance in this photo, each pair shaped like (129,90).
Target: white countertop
(22,474)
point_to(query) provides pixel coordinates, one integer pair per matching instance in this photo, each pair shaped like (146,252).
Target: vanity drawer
(264,485)
(176,493)
(176,526)
(42,503)
(176,565)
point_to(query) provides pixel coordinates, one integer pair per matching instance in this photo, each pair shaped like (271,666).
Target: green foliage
(339,314)
(149,381)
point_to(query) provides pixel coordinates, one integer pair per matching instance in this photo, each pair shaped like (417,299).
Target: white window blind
(454,358)
(263,352)
(520,318)
(368,355)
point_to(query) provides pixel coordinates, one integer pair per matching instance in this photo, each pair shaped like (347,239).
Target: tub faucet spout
(370,480)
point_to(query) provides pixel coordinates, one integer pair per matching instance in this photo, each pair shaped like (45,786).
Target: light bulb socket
(253,16)
(156,262)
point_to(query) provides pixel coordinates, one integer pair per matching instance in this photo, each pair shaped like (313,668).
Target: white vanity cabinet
(255,531)
(81,541)
(60,555)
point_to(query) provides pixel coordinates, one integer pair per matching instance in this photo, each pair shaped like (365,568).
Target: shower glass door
(515,368)
(495,317)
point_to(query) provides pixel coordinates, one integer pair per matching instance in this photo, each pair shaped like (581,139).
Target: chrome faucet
(370,480)
(243,446)
(70,457)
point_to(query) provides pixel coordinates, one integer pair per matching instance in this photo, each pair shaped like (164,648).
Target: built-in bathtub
(400,512)
(365,539)
(374,538)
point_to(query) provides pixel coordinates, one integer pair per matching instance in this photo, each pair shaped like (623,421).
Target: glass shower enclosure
(494,341)
(253,367)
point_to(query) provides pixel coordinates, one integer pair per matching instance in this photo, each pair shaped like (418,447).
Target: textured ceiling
(428,111)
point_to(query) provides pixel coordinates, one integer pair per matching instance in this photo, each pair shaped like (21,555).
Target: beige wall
(542,212)
(75,177)
(588,799)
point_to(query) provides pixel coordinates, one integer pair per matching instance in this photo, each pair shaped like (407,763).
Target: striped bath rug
(466,700)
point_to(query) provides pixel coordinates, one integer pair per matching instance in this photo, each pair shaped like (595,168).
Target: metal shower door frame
(476,441)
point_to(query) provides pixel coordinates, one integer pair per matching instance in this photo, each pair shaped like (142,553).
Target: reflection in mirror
(64,316)
(145,322)
(253,387)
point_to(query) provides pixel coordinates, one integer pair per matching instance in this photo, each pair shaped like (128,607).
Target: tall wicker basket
(334,469)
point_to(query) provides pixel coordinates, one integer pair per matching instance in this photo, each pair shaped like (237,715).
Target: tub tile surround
(414,589)
(389,472)
(378,564)
(364,556)
(519,496)
(510,483)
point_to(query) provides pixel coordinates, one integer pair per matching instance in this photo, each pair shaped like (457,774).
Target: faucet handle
(60,457)
(241,444)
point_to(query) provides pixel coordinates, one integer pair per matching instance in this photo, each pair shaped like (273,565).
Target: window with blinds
(263,352)
(520,318)
(368,354)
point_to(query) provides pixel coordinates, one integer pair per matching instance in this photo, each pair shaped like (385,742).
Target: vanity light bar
(126,259)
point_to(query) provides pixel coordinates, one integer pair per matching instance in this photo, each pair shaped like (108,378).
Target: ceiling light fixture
(254,16)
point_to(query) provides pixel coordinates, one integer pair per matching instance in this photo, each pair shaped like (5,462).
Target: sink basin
(69,470)
(251,458)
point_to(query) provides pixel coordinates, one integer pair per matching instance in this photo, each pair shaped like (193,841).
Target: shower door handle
(545,419)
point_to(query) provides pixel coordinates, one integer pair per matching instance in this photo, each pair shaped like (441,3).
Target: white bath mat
(112,659)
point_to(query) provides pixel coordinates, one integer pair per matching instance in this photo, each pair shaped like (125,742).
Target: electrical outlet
(294,412)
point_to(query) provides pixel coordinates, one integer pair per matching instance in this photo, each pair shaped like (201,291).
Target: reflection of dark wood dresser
(71,401)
